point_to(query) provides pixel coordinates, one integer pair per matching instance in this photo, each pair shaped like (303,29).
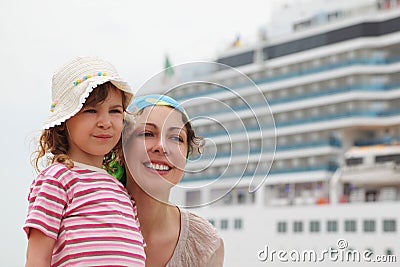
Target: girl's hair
(53,142)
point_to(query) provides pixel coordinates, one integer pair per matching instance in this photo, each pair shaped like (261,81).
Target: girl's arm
(40,249)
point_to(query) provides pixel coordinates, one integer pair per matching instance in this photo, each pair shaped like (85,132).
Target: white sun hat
(74,81)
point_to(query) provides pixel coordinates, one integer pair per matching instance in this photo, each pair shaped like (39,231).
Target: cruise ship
(301,162)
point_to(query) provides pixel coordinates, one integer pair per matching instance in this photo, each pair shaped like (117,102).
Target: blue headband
(145,101)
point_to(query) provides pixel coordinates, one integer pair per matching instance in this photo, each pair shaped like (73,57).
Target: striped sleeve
(47,202)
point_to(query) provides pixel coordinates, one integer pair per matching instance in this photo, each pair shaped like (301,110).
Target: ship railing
(382,194)
(330,167)
(387,140)
(294,74)
(369,113)
(363,87)
(330,66)
(292,146)
(339,115)
(395,166)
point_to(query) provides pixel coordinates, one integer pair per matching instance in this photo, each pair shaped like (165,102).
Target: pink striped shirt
(89,214)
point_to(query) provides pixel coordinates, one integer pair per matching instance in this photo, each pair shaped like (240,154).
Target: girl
(79,214)
(156,150)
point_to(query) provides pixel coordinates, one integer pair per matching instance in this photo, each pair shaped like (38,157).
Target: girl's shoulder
(54,169)
(57,168)
(60,172)
(54,176)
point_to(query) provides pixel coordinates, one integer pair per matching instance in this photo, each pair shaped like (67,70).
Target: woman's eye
(177,138)
(145,134)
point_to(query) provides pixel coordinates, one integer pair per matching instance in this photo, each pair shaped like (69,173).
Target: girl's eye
(119,111)
(89,110)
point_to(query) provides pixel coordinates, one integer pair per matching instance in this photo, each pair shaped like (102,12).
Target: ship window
(219,193)
(386,158)
(371,195)
(389,225)
(350,226)
(224,224)
(282,190)
(369,226)
(253,197)
(314,226)
(354,161)
(297,226)
(241,197)
(193,198)
(211,221)
(282,227)
(227,199)
(332,226)
(238,224)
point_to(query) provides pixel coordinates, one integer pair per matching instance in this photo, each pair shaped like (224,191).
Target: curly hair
(194,141)
(53,142)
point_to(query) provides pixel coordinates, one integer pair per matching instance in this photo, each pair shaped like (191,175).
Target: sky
(38,36)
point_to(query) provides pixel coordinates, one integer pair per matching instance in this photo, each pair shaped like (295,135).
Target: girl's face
(96,129)
(157,149)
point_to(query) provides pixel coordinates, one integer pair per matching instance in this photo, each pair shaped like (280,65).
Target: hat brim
(64,111)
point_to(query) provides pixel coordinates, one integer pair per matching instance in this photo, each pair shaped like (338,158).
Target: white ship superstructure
(333,86)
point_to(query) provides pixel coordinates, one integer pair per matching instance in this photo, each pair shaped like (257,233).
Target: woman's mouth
(156,166)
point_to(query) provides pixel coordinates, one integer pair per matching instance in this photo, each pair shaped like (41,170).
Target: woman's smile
(159,167)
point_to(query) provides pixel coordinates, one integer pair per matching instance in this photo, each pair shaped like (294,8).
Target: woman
(156,150)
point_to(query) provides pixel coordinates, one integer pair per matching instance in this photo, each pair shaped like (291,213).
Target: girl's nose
(104,122)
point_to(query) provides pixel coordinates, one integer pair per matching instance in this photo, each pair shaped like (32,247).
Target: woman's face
(156,150)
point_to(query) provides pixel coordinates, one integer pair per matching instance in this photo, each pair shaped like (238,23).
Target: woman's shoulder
(202,237)
(198,241)
(198,225)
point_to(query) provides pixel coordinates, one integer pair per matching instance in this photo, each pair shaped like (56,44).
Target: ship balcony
(299,193)
(360,87)
(337,115)
(373,174)
(332,142)
(246,174)
(368,61)
(364,87)
(377,141)
(371,194)
(359,113)
(370,87)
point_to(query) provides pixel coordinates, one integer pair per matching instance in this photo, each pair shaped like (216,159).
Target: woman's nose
(159,147)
